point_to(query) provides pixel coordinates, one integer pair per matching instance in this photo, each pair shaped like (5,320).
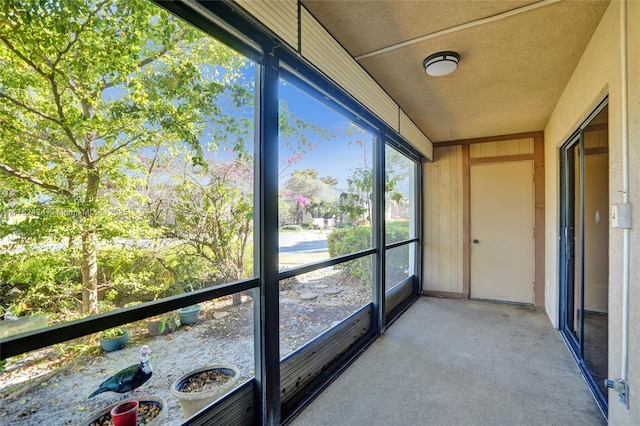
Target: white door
(502,222)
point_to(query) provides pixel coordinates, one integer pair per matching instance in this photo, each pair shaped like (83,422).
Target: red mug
(125,414)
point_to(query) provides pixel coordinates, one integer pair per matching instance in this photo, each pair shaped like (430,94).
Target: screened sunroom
(289,194)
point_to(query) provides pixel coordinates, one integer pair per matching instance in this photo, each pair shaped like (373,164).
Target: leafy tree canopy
(88,89)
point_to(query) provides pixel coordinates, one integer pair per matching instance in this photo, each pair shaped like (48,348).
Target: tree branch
(152,166)
(147,61)
(61,148)
(116,149)
(30,109)
(67,131)
(19,54)
(53,188)
(84,25)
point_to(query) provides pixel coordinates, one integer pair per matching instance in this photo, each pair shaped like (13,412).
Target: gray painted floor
(460,362)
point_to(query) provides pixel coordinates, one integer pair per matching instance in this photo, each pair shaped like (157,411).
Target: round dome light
(441,63)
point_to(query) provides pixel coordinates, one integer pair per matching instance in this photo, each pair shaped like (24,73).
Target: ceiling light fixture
(441,63)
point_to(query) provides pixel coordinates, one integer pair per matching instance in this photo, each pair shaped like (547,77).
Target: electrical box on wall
(621,215)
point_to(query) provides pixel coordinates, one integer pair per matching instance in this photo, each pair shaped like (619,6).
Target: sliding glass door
(585,247)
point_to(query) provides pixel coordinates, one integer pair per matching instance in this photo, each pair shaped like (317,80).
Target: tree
(86,87)
(213,213)
(305,191)
(356,202)
(396,178)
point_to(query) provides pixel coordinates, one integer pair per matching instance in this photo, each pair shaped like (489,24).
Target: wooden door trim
(501,159)
(466,222)
(509,137)
(445,294)
(539,220)
(539,209)
(526,177)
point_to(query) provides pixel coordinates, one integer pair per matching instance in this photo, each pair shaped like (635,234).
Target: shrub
(50,280)
(343,241)
(396,231)
(39,281)
(397,265)
(397,260)
(131,274)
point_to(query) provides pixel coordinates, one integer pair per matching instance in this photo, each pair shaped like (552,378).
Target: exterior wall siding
(447,211)
(443,222)
(281,17)
(501,148)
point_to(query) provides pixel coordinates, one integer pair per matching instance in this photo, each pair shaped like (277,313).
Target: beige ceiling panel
(365,26)
(414,136)
(329,57)
(280,16)
(510,76)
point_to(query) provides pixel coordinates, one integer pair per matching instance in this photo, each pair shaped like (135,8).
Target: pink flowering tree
(303,191)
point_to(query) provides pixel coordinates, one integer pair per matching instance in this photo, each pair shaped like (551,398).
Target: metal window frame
(397,309)
(228,24)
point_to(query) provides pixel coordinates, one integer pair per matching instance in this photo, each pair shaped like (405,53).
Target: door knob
(475,241)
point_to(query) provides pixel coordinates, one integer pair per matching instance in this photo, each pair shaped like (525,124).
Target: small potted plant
(113,339)
(200,387)
(167,324)
(189,314)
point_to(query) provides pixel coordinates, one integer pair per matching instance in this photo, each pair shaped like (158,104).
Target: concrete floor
(460,362)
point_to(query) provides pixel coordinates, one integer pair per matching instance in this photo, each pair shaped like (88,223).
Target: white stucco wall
(598,73)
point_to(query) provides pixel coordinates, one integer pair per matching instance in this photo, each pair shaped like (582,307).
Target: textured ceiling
(514,63)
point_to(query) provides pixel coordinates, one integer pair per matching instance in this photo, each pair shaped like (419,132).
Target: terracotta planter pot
(144,403)
(192,402)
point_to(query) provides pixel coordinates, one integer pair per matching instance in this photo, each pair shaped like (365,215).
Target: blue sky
(334,157)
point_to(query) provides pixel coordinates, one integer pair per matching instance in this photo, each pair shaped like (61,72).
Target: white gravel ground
(60,398)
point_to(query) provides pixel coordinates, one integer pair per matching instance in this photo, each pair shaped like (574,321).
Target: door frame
(539,205)
(526,292)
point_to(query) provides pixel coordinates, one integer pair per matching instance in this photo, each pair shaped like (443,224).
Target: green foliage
(131,274)
(343,241)
(112,333)
(213,212)
(114,118)
(40,281)
(397,259)
(88,90)
(356,202)
(397,230)
(170,322)
(48,281)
